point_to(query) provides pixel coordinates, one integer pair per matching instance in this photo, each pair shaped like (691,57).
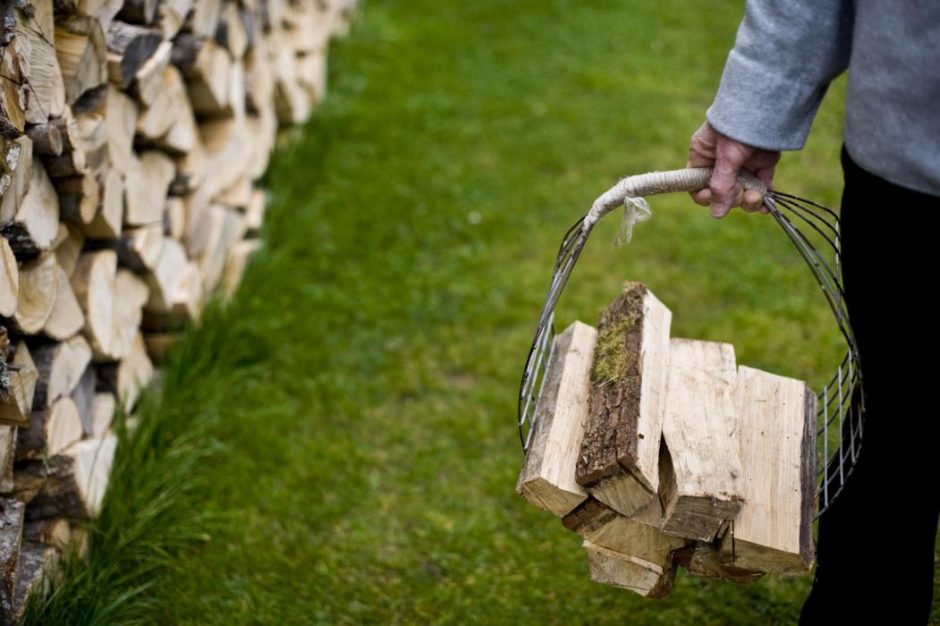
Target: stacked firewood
(663,452)
(132,138)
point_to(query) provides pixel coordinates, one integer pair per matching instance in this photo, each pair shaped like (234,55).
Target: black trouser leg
(875,548)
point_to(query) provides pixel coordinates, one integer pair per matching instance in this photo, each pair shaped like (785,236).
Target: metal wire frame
(841,403)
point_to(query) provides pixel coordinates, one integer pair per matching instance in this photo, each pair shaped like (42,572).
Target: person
(876,540)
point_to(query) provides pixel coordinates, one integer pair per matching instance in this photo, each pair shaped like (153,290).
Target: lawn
(337,445)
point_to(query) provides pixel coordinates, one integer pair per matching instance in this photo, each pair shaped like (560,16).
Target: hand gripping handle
(652,183)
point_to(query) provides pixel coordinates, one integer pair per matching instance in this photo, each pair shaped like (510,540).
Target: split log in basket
(133,137)
(619,457)
(730,493)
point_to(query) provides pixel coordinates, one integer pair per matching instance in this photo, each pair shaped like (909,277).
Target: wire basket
(841,403)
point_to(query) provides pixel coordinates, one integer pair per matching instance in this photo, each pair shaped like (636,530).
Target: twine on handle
(630,191)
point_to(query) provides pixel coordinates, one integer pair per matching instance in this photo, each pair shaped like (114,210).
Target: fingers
(724,183)
(702,197)
(752,201)
(702,146)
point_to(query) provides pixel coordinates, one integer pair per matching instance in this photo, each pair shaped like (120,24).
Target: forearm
(785,55)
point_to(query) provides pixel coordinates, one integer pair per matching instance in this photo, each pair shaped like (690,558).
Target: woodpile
(133,134)
(662,452)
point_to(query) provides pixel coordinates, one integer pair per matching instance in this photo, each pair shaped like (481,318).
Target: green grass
(338,444)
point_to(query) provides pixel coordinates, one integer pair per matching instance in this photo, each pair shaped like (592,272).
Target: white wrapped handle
(629,192)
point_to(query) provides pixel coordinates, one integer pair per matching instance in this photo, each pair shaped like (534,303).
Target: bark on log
(16,407)
(11,539)
(619,457)
(129,47)
(71,483)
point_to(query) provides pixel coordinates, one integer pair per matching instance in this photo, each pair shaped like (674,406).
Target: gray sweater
(787,52)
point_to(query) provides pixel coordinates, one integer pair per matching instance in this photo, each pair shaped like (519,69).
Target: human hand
(709,148)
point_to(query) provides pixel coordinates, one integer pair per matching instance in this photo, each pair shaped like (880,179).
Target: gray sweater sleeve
(785,55)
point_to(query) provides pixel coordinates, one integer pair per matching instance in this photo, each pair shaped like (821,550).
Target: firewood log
(704,560)
(79,197)
(640,535)
(55,532)
(171,14)
(51,429)
(60,366)
(84,397)
(46,85)
(231,32)
(37,217)
(156,119)
(102,414)
(129,48)
(619,457)
(629,572)
(46,138)
(11,540)
(126,378)
(148,81)
(17,405)
(205,17)
(38,566)
(39,285)
(141,12)
(7,455)
(139,248)
(71,483)
(109,216)
(127,315)
(121,120)
(254,212)
(19,180)
(237,262)
(80,49)
(66,317)
(9,280)
(94,284)
(547,476)
(703,490)
(148,180)
(773,530)
(174,222)
(166,279)
(69,249)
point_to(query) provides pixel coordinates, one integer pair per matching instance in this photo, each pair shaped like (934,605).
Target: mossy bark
(610,439)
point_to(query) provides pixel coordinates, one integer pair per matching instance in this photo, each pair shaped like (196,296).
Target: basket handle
(652,183)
